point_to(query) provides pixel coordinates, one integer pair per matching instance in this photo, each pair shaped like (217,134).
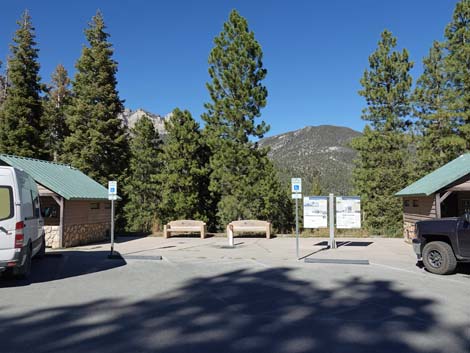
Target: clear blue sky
(315,51)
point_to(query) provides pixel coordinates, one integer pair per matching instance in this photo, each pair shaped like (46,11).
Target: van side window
(25,195)
(36,205)
(35,198)
(6,202)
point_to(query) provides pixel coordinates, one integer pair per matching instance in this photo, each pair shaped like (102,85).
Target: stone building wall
(80,234)
(409,231)
(417,208)
(52,236)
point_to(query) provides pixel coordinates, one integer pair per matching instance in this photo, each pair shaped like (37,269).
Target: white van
(21,223)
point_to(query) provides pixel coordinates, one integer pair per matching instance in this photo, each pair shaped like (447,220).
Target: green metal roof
(64,180)
(440,178)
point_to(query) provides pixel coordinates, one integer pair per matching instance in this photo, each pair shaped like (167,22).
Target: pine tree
(271,200)
(437,141)
(236,69)
(3,87)
(98,140)
(55,105)
(316,189)
(142,186)
(185,172)
(20,117)
(381,168)
(238,168)
(457,68)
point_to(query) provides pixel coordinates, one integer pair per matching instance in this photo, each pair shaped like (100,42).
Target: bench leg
(203,232)
(268,233)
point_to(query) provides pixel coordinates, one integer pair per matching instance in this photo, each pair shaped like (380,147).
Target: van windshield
(6,202)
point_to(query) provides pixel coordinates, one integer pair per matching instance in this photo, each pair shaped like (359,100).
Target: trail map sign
(315,212)
(348,212)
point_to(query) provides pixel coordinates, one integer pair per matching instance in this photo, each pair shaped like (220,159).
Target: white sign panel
(348,212)
(112,190)
(296,184)
(296,196)
(315,212)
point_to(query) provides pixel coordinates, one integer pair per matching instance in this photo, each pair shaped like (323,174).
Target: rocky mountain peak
(130,117)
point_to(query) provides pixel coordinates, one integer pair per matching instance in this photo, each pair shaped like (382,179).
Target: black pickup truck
(441,243)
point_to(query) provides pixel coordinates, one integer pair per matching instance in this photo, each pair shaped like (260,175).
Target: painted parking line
(219,261)
(421,274)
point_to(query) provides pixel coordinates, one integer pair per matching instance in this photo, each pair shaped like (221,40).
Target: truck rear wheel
(439,258)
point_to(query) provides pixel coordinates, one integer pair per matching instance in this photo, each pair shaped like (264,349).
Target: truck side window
(6,203)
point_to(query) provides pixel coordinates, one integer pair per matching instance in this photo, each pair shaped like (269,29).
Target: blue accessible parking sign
(296,184)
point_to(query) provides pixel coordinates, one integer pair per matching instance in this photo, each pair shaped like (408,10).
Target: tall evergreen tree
(3,87)
(457,67)
(380,169)
(185,171)
(270,199)
(316,189)
(98,140)
(54,119)
(142,186)
(20,117)
(238,167)
(437,140)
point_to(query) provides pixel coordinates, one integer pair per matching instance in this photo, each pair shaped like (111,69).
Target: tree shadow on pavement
(64,264)
(242,311)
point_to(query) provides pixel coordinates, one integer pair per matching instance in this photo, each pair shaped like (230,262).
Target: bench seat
(244,226)
(185,226)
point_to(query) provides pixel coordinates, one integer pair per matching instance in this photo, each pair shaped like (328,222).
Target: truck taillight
(19,235)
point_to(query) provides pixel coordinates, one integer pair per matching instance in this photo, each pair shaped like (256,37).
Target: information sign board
(315,212)
(348,212)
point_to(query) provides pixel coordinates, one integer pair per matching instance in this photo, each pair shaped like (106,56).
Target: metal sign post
(297,228)
(332,243)
(296,194)
(112,195)
(112,226)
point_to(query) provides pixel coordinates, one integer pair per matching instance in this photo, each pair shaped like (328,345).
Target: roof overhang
(43,191)
(443,178)
(58,179)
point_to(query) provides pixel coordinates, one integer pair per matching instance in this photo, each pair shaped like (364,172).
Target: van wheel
(24,270)
(439,258)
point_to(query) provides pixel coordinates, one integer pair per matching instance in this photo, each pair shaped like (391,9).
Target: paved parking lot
(204,297)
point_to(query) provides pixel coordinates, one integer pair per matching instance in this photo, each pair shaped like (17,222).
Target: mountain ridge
(320,153)
(314,153)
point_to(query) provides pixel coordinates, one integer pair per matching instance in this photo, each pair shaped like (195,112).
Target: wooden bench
(248,226)
(185,226)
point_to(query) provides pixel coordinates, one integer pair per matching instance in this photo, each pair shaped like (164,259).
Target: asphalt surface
(257,297)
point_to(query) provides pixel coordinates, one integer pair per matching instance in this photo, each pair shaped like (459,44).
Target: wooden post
(438,205)
(61,203)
